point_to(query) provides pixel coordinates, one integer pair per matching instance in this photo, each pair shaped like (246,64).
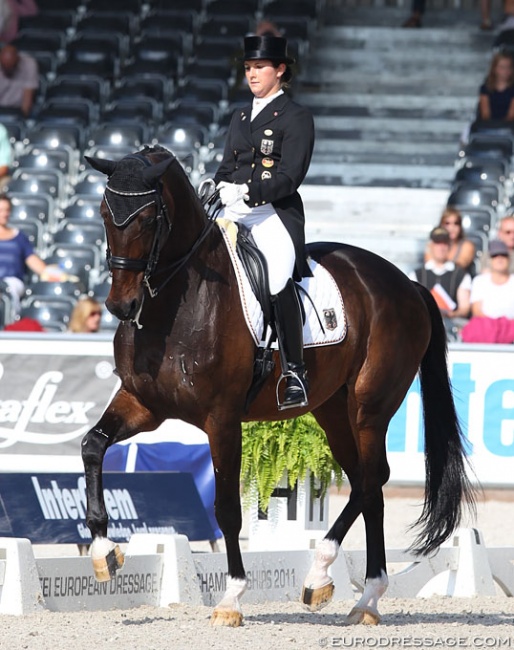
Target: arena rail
(161,569)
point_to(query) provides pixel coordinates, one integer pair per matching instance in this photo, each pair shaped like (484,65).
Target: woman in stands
(462,251)
(16,254)
(267,154)
(86,317)
(496,100)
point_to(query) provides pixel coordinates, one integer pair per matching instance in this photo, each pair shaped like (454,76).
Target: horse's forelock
(128,176)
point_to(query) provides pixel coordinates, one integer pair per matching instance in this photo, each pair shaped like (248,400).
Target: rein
(212,207)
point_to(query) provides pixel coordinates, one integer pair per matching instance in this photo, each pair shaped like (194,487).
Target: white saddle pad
(325,322)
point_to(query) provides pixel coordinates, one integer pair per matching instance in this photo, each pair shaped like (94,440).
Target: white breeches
(271,238)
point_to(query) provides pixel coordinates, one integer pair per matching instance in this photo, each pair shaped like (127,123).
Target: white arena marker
(20,590)
(179,582)
(69,584)
(271,575)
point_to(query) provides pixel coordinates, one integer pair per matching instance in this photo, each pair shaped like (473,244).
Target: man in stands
(449,284)
(505,233)
(19,79)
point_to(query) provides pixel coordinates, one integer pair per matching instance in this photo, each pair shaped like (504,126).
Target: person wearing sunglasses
(86,317)
(505,234)
(462,251)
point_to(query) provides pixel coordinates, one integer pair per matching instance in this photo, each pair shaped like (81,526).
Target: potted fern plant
(286,470)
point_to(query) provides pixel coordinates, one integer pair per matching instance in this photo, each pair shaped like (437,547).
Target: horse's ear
(155,172)
(102,165)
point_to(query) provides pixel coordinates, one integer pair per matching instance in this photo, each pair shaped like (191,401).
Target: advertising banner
(51,508)
(482,378)
(52,391)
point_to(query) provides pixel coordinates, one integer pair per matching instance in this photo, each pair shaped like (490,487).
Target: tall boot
(288,321)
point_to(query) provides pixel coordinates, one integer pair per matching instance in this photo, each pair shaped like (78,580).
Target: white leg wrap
(326,552)
(235,589)
(374,589)
(101,547)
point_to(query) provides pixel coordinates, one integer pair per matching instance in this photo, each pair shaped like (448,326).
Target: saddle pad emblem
(266,146)
(330,319)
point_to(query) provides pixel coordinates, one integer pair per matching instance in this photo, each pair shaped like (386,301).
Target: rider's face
(263,78)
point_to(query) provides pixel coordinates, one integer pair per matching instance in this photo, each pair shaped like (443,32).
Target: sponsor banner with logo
(53,392)
(51,508)
(482,377)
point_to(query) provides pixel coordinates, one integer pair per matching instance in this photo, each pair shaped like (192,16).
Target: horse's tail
(447,485)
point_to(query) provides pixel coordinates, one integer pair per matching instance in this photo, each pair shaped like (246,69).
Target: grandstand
(389,107)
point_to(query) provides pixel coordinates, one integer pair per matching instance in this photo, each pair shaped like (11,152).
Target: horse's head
(137,221)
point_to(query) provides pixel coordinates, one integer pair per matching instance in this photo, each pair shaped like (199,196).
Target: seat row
(482,188)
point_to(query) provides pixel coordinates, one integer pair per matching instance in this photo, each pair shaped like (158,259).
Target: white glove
(231,193)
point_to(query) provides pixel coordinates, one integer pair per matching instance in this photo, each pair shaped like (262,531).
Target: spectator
(19,79)
(462,251)
(492,300)
(417,11)
(85,317)
(449,284)
(507,21)
(505,233)
(12,11)
(5,156)
(496,97)
(16,254)
(24,325)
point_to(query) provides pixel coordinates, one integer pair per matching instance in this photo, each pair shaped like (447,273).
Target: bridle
(163,228)
(141,264)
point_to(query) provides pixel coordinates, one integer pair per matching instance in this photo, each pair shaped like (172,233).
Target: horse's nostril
(126,310)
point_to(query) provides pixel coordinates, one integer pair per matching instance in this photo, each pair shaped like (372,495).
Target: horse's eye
(148,223)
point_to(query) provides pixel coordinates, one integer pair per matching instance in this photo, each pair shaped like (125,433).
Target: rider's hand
(231,193)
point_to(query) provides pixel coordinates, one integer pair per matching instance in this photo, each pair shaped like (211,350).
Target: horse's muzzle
(124,309)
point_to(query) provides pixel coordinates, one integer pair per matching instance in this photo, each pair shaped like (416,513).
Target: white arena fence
(161,569)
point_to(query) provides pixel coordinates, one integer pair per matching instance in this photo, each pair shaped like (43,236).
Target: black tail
(447,484)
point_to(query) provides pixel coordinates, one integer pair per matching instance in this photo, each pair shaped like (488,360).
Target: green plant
(291,446)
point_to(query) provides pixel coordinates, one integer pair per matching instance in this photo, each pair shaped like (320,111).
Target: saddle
(256,269)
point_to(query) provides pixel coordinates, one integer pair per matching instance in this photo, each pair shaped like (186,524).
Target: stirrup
(282,406)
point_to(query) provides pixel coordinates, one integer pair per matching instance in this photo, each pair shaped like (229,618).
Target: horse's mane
(181,174)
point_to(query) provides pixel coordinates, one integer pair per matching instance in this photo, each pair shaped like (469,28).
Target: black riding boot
(288,319)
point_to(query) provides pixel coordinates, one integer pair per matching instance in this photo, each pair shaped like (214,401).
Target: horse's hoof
(315,599)
(105,567)
(226,618)
(362,616)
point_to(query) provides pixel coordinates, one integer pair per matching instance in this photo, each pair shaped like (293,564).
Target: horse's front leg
(123,418)
(225,444)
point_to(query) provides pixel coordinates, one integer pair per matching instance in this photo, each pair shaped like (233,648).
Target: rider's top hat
(272,48)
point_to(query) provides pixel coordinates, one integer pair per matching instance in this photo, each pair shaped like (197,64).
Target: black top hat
(272,48)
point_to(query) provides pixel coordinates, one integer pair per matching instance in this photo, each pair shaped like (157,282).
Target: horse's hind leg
(332,416)
(361,453)
(123,418)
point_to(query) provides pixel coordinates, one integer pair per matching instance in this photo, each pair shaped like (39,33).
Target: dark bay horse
(183,351)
